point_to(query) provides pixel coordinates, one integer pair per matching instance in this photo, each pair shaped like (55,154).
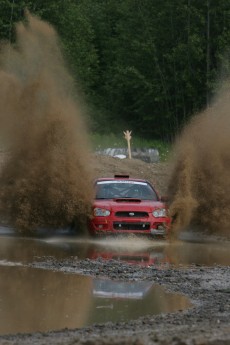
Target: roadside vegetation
(143,65)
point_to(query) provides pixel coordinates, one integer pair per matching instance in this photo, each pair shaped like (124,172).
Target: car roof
(121,177)
(125,178)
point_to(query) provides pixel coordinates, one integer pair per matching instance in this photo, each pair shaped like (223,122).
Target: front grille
(133,214)
(131,226)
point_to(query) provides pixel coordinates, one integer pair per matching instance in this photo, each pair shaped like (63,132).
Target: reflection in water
(38,300)
(144,257)
(165,253)
(120,289)
(132,250)
(130,300)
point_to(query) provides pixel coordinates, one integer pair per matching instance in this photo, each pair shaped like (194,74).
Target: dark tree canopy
(145,65)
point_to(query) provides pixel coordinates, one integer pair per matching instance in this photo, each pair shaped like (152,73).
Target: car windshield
(125,189)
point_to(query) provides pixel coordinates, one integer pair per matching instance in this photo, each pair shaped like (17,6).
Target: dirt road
(208,288)
(156,173)
(206,322)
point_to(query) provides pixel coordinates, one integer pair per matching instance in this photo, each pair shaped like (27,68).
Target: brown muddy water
(42,126)
(130,249)
(199,181)
(38,300)
(33,299)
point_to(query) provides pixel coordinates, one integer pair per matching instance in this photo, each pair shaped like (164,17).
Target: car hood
(127,204)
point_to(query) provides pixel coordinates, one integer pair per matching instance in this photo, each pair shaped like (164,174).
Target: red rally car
(127,205)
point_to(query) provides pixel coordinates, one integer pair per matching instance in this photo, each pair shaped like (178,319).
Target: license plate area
(131,226)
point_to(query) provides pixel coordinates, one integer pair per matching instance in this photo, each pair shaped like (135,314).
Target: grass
(99,141)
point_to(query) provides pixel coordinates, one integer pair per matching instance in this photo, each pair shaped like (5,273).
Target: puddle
(131,249)
(38,300)
(34,300)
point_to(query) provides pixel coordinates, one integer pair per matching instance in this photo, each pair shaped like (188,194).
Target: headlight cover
(160,212)
(101,212)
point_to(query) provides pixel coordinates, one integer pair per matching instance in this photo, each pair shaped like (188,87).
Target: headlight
(101,212)
(160,212)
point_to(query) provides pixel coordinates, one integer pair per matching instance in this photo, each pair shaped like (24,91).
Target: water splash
(45,180)
(200,181)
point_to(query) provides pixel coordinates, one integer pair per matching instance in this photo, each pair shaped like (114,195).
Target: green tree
(145,65)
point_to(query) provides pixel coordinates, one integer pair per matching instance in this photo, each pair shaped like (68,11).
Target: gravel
(206,322)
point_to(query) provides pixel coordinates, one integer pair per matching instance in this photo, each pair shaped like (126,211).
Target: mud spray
(200,182)
(44,181)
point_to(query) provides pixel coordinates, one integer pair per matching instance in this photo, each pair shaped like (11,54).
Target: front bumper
(110,225)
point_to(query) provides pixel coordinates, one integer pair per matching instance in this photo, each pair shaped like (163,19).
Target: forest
(147,65)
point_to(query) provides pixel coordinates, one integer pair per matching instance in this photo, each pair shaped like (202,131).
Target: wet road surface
(38,300)
(41,300)
(130,249)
